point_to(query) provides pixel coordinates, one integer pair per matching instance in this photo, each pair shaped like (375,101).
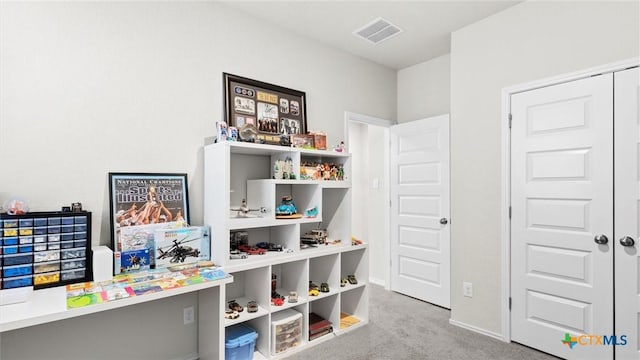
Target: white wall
(423,89)
(526,42)
(91,87)
(369,205)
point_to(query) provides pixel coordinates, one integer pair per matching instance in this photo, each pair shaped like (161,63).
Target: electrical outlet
(188,314)
(467,289)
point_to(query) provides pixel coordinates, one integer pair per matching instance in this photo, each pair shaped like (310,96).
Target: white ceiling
(426,25)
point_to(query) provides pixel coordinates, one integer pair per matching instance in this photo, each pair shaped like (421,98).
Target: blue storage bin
(240,342)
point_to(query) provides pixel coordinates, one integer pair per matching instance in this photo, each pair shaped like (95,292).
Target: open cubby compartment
(286,317)
(328,308)
(286,235)
(325,269)
(354,303)
(243,167)
(305,196)
(291,276)
(262,326)
(246,286)
(355,262)
(284,156)
(336,214)
(326,157)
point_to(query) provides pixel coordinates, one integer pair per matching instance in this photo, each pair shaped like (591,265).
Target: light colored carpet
(401,327)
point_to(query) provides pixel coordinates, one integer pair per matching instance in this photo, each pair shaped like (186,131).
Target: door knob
(444,221)
(601,239)
(627,241)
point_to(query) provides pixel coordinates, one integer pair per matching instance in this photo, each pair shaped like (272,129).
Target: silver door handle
(627,241)
(601,239)
(444,221)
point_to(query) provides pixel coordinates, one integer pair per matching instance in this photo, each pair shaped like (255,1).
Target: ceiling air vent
(377,31)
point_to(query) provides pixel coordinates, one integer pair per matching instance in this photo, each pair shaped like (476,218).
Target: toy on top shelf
(311,212)
(312,170)
(16,206)
(287,209)
(283,169)
(244,211)
(340,147)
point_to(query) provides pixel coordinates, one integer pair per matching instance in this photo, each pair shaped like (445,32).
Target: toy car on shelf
(231,314)
(237,254)
(287,209)
(252,250)
(314,237)
(269,246)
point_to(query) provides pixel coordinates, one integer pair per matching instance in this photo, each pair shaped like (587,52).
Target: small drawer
(46,267)
(67,220)
(81,227)
(17,282)
(25,231)
(11,240)
(80,243)
(18,259)
(53,229)
(80,219)
(73,264)
(26,240)
(39,239)
(72,253)
(54,237)
(80,235)
(54,221)
(10,223)
(41,279)
(66,245)
(40,230)
(73,274)
(54,246)
(40,222)
(67,228)
(8,250)
(66,237)
(39,247)
(18,270)
(25,248)
(44,256)
(10,232)
(25,222)
(1,241)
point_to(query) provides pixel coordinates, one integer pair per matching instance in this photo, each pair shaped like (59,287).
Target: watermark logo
(594,340)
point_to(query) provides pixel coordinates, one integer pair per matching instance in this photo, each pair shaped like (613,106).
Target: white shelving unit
(236,171)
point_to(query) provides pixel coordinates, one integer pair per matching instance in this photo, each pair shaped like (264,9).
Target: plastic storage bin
(240,342)
(286,330)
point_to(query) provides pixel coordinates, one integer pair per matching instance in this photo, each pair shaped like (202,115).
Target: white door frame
(370,120)
(506,170)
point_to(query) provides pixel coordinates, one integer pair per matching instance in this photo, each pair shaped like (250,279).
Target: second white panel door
(561,175)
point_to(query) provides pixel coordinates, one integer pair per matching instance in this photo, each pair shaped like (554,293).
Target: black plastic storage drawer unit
(45,249)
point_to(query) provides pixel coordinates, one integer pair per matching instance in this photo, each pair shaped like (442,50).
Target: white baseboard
(190,357)
(378,282)
(478,330)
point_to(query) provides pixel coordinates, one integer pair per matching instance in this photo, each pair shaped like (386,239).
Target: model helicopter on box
(178,252)
(244,210)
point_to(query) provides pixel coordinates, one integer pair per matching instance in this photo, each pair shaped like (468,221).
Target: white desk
(48,305)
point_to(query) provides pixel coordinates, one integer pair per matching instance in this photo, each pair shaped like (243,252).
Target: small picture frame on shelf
(302,141)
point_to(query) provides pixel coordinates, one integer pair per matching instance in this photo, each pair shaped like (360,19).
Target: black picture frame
(142,202)
(276,112)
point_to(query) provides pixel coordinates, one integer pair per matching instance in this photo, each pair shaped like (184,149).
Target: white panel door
(627,214)
(561,176)
(419,187)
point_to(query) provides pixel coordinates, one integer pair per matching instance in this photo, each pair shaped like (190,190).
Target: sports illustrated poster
(140,201)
